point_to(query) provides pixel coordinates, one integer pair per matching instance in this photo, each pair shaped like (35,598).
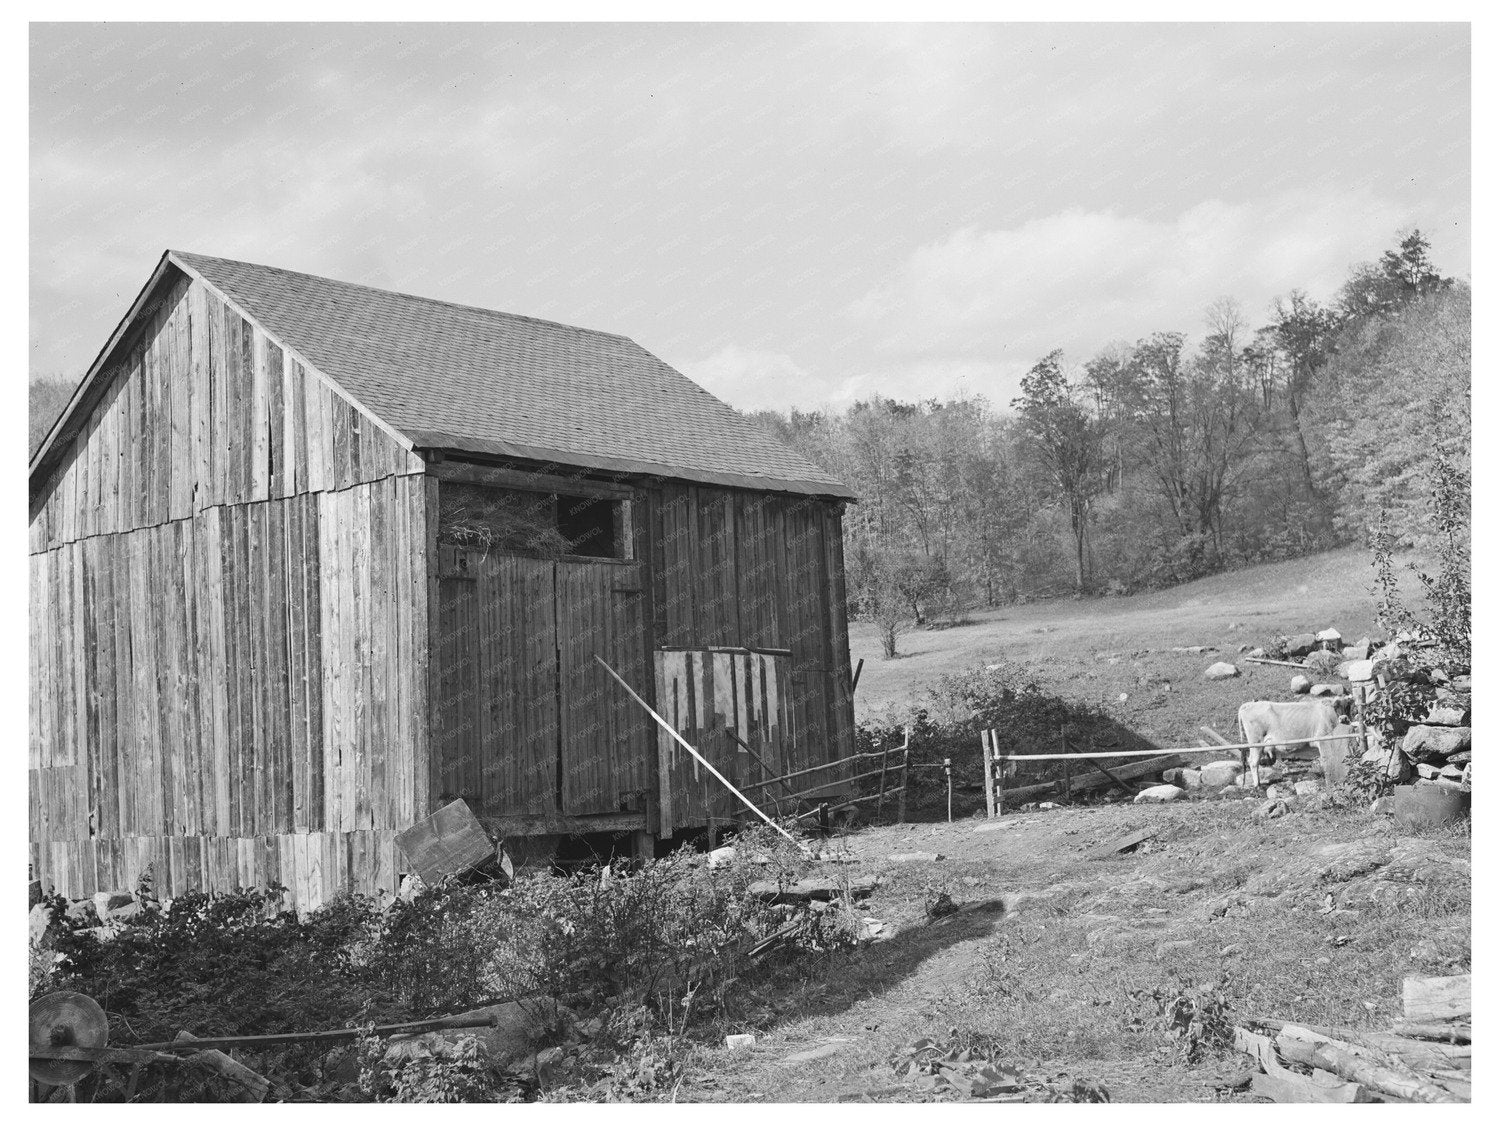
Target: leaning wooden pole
(670,729)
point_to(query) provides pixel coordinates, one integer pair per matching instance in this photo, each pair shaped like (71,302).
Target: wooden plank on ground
(1433,999)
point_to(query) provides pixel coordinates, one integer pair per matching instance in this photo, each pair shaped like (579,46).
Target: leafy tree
(1400,276)
(1068,440)
(1304,333)
(45,399)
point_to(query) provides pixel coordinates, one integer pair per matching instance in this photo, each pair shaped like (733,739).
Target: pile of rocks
(1437,749)
(103,913)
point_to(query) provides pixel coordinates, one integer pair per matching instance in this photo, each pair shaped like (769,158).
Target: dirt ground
(1314,917)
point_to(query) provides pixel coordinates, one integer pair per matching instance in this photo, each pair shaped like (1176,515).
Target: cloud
(1079,279)
(752,380)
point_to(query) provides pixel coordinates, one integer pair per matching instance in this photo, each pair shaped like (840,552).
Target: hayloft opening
(520,522)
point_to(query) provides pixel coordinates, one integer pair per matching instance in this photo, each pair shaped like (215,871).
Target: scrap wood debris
(956,1066)
(1415,1062)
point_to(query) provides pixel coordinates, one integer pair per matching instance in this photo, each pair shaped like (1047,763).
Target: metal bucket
(1422,807)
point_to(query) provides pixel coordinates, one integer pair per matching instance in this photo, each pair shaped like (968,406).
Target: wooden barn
(311,559)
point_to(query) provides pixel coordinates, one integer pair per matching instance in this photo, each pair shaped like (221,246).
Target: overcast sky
(791,215)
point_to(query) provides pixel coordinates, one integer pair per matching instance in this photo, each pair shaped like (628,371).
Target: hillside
(1099,649)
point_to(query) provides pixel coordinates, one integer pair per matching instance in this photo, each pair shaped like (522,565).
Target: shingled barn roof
(473,380)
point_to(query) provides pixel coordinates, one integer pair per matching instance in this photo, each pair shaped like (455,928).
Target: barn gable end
(228,617)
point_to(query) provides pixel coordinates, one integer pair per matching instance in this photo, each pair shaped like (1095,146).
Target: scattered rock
(915,857)
(125,914)
(874,930)
(33,893)
(1196,649)
(81,912)
(1271,809)
(42,924)
(1216,775)
(1300,645)
(1359,650)
(1221,671)
(1190,779)
(819,1052)
(1327,689)
(722,857)
(1273,793)
(734,1042)
(1306,788)
(1358,671)
(1257,653)
(1383,805)
(105,901)
(1331,639)
(1173,777)
(1159,793)
(1124,697)
(1300,685)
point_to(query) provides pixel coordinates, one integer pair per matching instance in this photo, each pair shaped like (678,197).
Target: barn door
(605,736)
(495,676)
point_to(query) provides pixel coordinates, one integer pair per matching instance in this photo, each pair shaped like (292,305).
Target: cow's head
(1343,706)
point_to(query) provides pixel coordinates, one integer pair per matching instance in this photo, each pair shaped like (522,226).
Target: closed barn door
(496,675)
(606,737)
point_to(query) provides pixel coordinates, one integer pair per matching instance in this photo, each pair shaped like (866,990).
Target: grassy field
(1098,649)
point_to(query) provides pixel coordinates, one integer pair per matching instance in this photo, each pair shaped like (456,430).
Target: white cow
(1265,725)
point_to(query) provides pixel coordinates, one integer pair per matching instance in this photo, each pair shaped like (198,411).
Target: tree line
(1159,461)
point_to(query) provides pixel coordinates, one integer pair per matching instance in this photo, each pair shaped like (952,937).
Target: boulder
(1327,689)
(1359,650)
(722,857)
(1173,777)
(1331,639)
(1424,743)
(124,914)
(1358,671)
(1216,775)
(1300,685)
(105,901)
(1383,806)
(1447,713)
(1159,793)
(1306,788)
(43,924)
(1271,809)
(1300,645)
(1220,671)
(1190,779)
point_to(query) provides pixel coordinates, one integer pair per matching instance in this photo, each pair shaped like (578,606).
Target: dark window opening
(518,522)
(588,524)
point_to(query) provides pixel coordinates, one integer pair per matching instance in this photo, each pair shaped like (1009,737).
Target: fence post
(1000,789)
(905,774)
(989,774)
(1067,767)
(885,758)
(948,773)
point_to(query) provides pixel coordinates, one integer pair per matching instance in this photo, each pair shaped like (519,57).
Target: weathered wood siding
(760,570)
(525,722)
(228,625)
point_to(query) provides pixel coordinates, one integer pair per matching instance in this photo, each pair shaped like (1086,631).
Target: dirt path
(1040,961)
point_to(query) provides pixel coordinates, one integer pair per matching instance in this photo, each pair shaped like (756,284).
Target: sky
(792,215)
